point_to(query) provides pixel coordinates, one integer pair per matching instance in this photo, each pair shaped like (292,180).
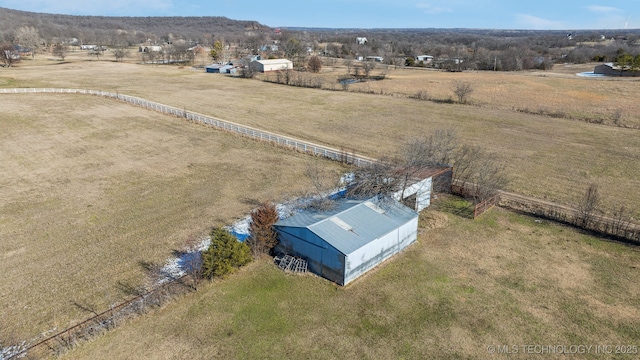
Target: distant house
(271,65)
(22,51)
(250,58)
(426,59)
(272,47)
(146,49)
(361,40)
(196,49)
(353,238)
(375,58)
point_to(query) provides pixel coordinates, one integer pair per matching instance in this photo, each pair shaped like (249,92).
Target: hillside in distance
(92,29)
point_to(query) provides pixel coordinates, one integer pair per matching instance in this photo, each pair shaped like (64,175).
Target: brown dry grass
(502,279)
(556,91)
(546,157)
(91,188)
(78,168)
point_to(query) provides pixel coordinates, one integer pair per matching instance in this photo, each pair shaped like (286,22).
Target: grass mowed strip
(502,279)
(546,157)
(91,189)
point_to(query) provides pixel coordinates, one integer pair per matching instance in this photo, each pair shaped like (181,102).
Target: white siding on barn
(347,241)
(271,65)
(375,252)
(422,189)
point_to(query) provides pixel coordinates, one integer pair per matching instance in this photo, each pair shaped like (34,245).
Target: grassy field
(91,188)
(558,92)
(502,279)
(546,157)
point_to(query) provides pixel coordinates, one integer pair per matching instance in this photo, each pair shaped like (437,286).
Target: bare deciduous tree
(263,238)
(368,66)
(253,42)
(314,64)
(588,206)
(8,54)
(60,50)
(348,62)
(192,257)
(462,89)
(97,51)
(436,149)
(292,48)
(179,52)
(247,71)
(120,52)
(322,181)
(29,36)
(479,172)
(620,223)
(373,179)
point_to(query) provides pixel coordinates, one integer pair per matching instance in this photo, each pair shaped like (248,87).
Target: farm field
(91,189)
(546,157)
(558,92)
(502,279)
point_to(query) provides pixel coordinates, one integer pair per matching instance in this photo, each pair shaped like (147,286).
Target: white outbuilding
(271,65)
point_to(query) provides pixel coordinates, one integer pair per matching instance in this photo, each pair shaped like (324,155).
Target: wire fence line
(108,318)
(62,341)
(296,144)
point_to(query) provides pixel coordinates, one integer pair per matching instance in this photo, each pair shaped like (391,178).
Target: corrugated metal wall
(375,252)
(322,258)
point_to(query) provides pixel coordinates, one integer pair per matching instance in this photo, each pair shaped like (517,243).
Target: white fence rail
(299,145)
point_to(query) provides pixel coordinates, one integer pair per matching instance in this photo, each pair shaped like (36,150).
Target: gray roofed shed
(346,242)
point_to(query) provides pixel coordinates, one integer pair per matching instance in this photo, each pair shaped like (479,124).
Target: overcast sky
(485,14)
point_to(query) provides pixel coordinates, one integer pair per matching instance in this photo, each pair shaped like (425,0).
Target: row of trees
(464,48)
(481,171)
(451,50)
(480,49)
(588,215)
(627,61)
(55,28)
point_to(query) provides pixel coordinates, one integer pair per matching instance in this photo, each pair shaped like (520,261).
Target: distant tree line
(462,49)
(452,49)
(131,30)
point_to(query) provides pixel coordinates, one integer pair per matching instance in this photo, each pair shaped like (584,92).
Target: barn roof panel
(353,223)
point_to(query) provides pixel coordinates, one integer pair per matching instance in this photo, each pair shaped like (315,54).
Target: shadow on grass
(454,205)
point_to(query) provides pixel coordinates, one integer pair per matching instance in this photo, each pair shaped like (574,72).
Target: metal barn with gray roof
(344,243)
